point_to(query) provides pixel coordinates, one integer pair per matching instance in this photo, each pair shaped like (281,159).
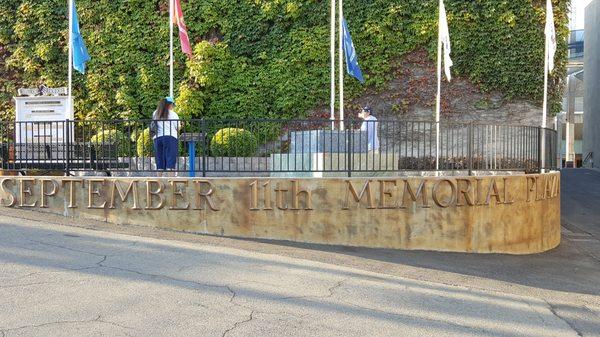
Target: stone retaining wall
(516,214)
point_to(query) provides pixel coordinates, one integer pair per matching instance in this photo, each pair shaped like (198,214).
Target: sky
(578,13)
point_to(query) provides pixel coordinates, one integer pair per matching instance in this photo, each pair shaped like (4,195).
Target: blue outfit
(166,149)
(166,144)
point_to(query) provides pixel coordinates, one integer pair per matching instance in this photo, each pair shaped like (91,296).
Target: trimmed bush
(145,144)
(232,142)
(110,143)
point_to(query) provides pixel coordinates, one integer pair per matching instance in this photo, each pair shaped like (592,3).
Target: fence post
(67,147)
(192,156)
(539,151)
(5,147)
(349,147)
(203,135)
(471,140)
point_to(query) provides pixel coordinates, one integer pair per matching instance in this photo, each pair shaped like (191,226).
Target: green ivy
(265,58)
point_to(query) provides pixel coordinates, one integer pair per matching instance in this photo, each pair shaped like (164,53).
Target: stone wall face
(517,214)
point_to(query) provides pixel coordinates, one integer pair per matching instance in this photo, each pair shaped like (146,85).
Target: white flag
(550,35)
(445,40)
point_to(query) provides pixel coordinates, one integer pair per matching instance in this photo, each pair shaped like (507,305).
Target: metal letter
(296,192)
(131,188)
(176,192)
(45,194)
(254,196)
(507,199)
(436,199)
(421,191)
(72,195)
(267,192)
(280,199)
(92,191)
(151,193)
(26,191)
(204,195)
(383,193)
(465,191)
(358,197)
(6,190)
(493,187)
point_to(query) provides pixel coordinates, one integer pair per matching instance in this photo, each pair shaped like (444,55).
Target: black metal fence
(274,147)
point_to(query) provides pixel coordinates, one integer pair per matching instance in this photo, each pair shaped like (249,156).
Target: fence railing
(273,147)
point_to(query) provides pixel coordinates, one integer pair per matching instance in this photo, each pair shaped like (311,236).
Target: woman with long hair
(166,132)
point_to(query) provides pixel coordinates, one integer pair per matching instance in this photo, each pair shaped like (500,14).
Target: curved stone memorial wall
(517,214)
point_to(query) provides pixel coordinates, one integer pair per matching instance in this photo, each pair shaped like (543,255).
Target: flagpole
(332,52)
(341,60)
(439,95)
(545,103)
(171,85)
(70,72)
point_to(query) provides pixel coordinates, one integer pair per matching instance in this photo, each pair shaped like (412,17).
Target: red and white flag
(183,33)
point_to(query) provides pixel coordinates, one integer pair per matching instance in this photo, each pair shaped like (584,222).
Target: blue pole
(192,157)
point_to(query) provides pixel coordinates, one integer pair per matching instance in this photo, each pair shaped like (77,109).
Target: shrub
(145,144)
(110,143)
(135,134)
(232,142)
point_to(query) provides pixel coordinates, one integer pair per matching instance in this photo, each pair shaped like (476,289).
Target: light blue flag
(80,53)
(352,66)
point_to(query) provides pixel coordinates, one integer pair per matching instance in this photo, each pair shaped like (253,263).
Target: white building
(569,122)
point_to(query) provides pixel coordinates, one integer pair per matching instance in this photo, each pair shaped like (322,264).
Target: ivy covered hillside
(267,58)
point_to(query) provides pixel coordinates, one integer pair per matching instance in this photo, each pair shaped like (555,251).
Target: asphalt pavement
(68,277)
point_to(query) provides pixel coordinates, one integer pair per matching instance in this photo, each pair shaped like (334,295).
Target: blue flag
(352,66)
(80,53)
